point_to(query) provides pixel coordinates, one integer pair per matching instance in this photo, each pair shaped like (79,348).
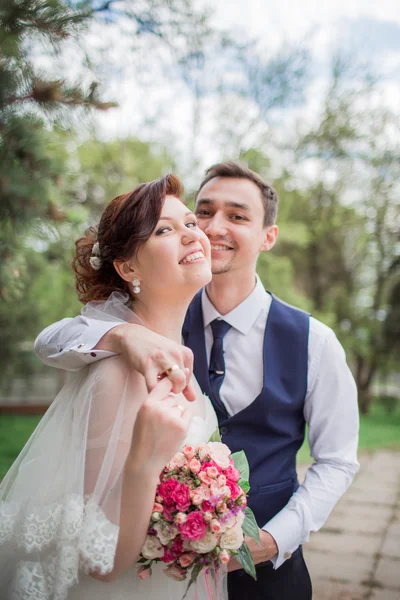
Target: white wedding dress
(60,501)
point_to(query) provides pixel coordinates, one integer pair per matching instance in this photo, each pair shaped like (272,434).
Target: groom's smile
(231,213)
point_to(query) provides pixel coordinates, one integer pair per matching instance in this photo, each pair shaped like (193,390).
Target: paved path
(356,556)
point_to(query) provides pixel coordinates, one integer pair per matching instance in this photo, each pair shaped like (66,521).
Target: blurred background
(97,96)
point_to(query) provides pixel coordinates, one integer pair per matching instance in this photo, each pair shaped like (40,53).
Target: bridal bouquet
(200,514)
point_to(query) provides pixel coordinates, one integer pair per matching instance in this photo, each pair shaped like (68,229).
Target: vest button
(224,430)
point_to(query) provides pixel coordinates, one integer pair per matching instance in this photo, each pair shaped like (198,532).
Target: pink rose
(157,507)
(189,452)
(169,508)
(207,506)
(194,528)
(180,496)
(143,572)
(221,507)
(224,557)
(180,518)
(232,473)
(175,572)
(178,461)
(221,480)
(208,464)
(215,526)
(234,488)
(204,492)
(212,472)
(166,488)
(177,546)
(242,500)
(207,516)
(197,499)
(186,559)
(168,556)
(194,465)
(204,478)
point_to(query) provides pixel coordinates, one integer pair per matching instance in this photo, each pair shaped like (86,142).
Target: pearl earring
(136,285)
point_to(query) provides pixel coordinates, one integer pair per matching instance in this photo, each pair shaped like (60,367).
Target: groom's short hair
(235,170)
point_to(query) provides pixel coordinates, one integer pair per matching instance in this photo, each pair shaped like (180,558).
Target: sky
(294,19)
(369,30)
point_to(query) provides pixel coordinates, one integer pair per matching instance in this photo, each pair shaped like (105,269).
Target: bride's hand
(160,428)
(150,353)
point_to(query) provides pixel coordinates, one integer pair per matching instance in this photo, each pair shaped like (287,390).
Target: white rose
(203,453)
(187,545)
(233,520)
(220,453)
(232,539)
(226,491)
(206,544)
(240,517)
(228,522)
(152,547)
(165,532)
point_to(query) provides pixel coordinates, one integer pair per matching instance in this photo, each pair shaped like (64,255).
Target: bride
(76,504)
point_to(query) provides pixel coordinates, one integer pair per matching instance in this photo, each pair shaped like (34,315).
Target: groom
(269,369)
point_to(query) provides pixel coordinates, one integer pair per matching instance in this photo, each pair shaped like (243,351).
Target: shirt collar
(243,316)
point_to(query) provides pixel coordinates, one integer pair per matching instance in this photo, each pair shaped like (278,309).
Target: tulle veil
(60,501)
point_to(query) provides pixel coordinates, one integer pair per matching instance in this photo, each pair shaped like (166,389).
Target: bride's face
(177,256)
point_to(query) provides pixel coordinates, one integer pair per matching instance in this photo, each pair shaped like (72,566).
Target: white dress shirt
(330,407)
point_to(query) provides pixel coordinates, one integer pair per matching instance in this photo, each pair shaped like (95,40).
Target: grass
(14,433)
(379,429)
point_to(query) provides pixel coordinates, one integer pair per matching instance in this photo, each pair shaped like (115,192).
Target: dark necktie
(217,364)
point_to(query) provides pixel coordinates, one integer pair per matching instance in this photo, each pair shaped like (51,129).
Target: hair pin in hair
(95,260)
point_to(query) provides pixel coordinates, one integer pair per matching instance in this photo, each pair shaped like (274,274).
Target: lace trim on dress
(53,543)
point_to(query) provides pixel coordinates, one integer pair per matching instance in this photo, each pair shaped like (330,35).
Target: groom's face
(231,213)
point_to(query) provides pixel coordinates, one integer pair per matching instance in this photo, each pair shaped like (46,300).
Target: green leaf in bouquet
(246,560)
(216,436)
(194,573)
(250,526)
(244,485)
(240,460)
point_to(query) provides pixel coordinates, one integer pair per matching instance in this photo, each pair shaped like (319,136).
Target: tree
(350,266)
(40,194)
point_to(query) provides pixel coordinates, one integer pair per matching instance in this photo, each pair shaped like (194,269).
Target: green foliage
(31,184)
(250,526)
(44,201)
(216,436)
(380,428)
(107,169)
(246,560)
(14,433)
(242,465)
(337,255)
(389,403)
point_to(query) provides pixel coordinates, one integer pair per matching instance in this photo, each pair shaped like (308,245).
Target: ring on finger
(169,370)
(180,408)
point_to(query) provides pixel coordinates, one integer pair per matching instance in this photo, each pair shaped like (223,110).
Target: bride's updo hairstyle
(126,223)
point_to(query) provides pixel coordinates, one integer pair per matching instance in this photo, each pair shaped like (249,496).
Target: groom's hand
(260,554)
(150,353)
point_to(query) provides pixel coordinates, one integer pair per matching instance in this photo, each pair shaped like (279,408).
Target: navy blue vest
(271,429)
